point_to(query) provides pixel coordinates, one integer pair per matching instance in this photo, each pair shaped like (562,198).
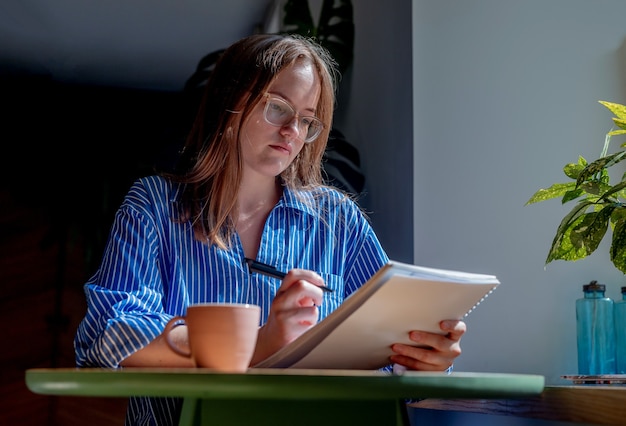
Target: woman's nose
(292,126)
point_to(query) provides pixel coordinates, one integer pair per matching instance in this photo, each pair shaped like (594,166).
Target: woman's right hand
(292,312)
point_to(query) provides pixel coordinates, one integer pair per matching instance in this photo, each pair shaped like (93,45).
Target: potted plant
(599,203)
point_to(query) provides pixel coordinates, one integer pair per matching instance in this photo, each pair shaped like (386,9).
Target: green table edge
(279,384)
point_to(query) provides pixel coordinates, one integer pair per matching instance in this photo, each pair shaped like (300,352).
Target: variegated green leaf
(617,109)
(572,170)
(588,233)
(613,190)
(618,245)
(562,247)
(592,188)
(572,195)
(595,189)
(619,214)
(581,237)
(621,123)
(598,167)
(556,190)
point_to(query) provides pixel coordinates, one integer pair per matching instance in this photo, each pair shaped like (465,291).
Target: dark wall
(72,151)
(69,154)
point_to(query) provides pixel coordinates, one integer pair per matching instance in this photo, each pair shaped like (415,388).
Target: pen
(270,271)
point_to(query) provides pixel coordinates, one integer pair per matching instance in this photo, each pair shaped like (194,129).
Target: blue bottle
(595,331)
(620,333)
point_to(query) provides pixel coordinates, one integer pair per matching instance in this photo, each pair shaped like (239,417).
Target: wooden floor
(40,306)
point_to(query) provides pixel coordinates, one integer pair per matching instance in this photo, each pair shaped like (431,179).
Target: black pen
(270,271)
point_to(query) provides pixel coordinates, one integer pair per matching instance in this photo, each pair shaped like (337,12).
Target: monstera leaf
(334,31)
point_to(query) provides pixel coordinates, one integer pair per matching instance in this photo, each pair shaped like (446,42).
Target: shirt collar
(298,200)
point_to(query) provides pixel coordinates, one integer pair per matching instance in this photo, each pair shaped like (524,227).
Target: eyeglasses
(279,112)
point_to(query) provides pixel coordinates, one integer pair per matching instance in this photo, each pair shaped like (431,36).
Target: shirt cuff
(400,369)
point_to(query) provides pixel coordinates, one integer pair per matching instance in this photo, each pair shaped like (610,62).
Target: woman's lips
(282,147)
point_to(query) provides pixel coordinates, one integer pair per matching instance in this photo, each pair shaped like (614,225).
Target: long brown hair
(210,166)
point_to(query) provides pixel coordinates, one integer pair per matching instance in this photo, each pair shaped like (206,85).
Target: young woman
(248,185)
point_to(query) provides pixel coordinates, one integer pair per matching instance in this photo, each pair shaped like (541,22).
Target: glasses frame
(269,98)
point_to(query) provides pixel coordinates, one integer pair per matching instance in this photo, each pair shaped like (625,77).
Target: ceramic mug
(222,336)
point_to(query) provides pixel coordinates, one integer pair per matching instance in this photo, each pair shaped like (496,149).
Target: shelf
(592,404)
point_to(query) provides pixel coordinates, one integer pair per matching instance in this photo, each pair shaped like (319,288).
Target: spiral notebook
(400,297)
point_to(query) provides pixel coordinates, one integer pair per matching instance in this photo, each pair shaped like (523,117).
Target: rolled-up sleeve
(125,296)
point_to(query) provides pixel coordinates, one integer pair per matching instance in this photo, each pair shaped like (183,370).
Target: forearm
(265,346)
(158,353)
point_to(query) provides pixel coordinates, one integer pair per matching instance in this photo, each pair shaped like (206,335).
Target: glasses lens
(312,128)
(280,113)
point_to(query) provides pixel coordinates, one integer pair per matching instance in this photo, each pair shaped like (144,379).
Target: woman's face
(268,149)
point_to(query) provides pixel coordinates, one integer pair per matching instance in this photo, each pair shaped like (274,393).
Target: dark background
(69,154)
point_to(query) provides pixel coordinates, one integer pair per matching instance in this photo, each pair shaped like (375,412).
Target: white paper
(397,299)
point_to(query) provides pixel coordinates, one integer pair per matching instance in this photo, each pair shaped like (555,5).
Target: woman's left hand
(436,352)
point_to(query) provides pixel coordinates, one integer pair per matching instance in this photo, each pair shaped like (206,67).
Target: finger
(409,363)
(285,325)
(455,329)
(300,294)
(304,317)
(420,358)
(296,275)
(301,288)
(447,347)
(430,340)
(294,322)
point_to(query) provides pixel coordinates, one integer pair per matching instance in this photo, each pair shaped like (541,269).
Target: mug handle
(171,324)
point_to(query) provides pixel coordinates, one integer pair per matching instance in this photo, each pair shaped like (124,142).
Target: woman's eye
(278,109)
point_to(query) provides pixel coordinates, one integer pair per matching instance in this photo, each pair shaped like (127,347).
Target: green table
(275,397)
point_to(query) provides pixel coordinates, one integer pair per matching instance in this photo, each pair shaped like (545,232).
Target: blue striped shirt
(153,267)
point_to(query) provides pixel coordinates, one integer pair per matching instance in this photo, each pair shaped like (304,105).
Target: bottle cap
(594,286)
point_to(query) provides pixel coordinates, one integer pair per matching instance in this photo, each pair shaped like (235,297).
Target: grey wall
(134,44)
(505,93)
(376,112)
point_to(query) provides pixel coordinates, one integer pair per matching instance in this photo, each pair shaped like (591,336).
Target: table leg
(190,414)
(289,412)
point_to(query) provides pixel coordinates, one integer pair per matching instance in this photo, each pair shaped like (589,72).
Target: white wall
(504,95)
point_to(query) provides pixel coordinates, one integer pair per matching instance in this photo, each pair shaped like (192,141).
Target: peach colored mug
(222,336)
